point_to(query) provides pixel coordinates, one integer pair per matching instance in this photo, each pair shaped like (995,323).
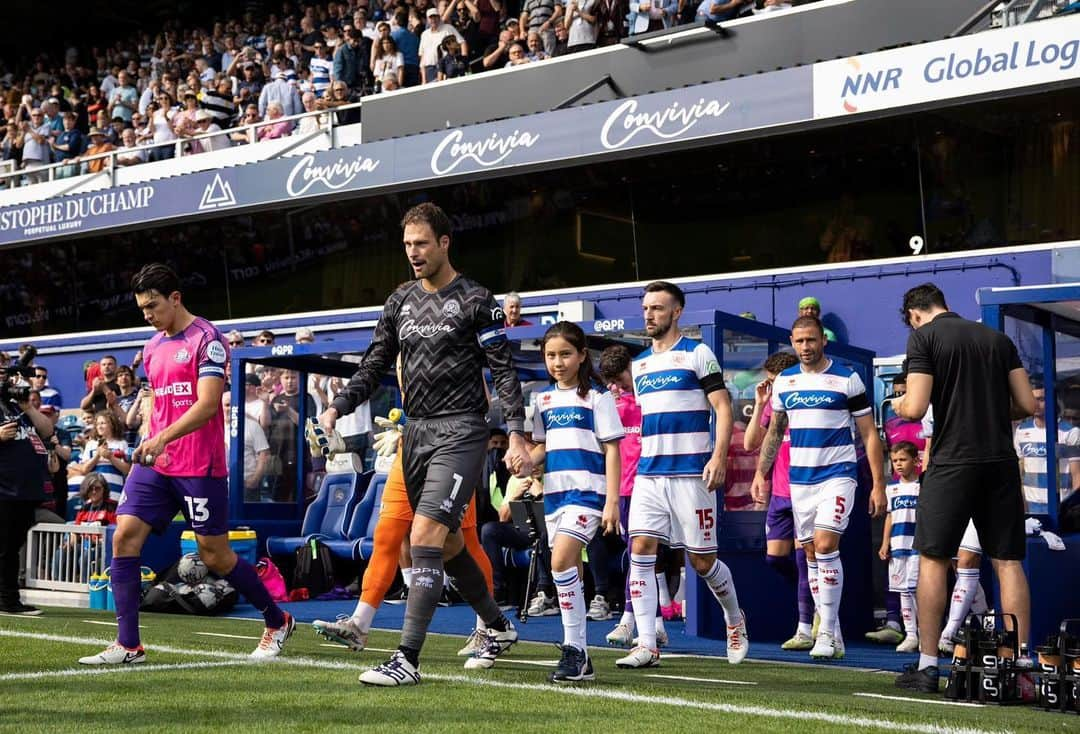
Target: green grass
(315,688)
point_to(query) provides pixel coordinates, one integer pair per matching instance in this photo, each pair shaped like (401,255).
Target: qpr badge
(183,356)
(451,309)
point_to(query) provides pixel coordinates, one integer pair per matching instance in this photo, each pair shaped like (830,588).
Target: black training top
(445,339)
(970,364)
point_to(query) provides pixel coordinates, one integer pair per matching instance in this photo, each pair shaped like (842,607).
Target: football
(191,569)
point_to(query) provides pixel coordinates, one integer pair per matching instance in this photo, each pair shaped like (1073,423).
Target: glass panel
(743,357)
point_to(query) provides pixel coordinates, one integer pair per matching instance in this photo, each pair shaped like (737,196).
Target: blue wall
(859,303)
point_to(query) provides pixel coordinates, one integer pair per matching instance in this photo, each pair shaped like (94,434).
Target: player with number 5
(679,385)
(817,399)
(180,466)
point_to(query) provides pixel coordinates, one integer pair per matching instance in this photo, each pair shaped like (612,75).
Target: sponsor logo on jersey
(905,503)
(806,400)
(497,314)
(178,389)
(183,356)
(451,309)
(657,383)
(565,418)
(1033,450)
(215,351)
(712,367)
(412,327)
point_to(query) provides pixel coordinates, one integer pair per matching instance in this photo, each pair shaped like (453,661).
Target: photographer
(22,484)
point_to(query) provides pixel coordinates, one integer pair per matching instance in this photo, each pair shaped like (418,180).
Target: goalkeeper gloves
(322,443)
(386,442)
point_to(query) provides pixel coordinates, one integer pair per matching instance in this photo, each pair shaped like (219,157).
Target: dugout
(741,346)
(1044,323)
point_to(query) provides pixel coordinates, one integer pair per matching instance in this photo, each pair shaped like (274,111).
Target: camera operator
(22,483)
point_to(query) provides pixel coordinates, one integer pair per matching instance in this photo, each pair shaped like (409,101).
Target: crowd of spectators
(152,95)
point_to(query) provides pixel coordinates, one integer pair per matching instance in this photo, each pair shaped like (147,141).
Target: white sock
(925,661)
(643,592)
(406,573)
(723,588)
(979,605)
(830,589)
(909,611)
(480,625)
(805,628)
(363,615)
(662,590)
(628,620)
(812,575)
(963,596)
(571,605)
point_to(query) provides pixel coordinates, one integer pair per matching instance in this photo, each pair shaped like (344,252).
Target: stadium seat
(361,523)
(364,539)
(517,558)
(327,516)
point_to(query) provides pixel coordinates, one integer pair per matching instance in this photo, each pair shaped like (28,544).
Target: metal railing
(1017,12)
(249,133)
(64,557)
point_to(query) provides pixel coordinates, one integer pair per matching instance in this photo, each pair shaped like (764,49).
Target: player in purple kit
(180,466)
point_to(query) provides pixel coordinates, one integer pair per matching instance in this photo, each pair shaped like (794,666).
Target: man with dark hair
(264,339)
(973,378)
(446,327)
(40,382)
(820,399)
(180,466)
(679,385)
(775,490)
(99,397)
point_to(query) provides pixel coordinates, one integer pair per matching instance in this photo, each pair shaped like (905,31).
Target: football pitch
(197,678)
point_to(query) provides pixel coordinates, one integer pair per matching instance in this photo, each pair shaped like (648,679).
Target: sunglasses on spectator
(236,344)
(40,377)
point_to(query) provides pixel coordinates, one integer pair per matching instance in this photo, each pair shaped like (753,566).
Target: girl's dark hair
(572,333)
(614,360)
(89,482)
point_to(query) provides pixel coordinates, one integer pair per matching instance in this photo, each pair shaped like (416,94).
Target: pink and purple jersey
(782,464)
(630,446)
(174,365)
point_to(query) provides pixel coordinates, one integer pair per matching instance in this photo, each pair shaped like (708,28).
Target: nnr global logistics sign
(1006,58)
(68,215)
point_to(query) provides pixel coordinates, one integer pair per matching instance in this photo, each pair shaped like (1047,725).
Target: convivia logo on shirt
(905,503)
(806,400)
(1033,450)
(658,382)
(565,417)
(411,327)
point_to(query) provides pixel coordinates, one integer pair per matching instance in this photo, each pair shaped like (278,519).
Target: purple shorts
(624,518)
(154,498)
(779,520)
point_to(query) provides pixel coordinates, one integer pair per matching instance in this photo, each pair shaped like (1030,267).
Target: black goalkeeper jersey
(444,339)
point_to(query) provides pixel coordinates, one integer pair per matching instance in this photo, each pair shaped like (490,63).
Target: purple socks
(246,581)
(126,583)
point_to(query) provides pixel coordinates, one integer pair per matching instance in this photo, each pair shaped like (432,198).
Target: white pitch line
(610,694)
(107,624)
(22,616)
(108,669)
(703,680)
(336,646)
(541,663)
(233,637)
(937,701)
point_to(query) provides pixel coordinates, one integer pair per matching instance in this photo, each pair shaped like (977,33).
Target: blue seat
(517,558)
(327,516)
(364,540)
(364,516)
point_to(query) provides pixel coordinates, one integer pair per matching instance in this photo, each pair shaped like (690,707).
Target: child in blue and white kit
(898,538)
(577,427)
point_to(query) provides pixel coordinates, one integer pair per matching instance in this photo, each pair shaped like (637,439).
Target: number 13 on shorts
(197,508)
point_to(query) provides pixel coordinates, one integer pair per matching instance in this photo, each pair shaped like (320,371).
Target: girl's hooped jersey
(573,430)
